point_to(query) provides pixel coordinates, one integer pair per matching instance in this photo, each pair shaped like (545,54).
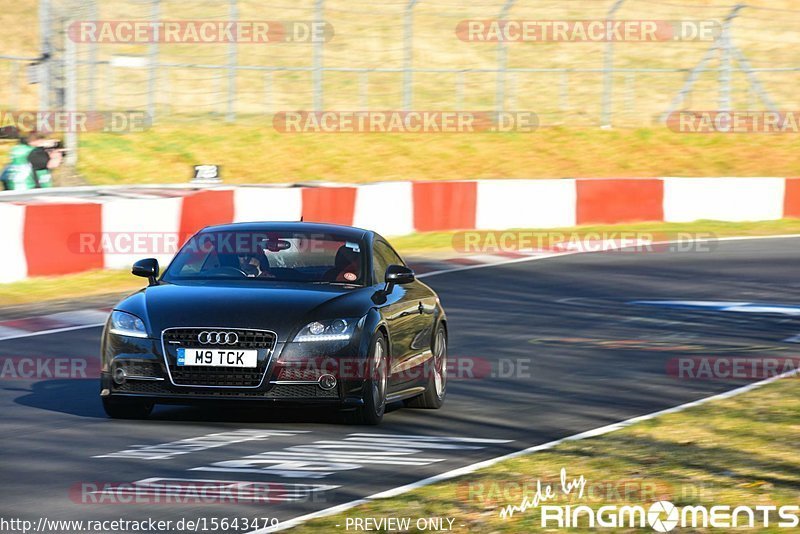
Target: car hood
(282,308)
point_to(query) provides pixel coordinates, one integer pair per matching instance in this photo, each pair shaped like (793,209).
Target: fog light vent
(327,382)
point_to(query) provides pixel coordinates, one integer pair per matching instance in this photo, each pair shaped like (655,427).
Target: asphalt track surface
(589,358)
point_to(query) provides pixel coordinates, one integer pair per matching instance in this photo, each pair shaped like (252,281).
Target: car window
(287,256)
(384,256)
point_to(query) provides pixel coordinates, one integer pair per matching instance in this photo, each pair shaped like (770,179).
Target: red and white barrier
(132,224)
(723,199)
(12,227)
(57,235)
(526,204)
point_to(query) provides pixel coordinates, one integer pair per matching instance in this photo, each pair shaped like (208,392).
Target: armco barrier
(43,233)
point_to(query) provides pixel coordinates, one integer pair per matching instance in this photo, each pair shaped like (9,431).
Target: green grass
(256,154)
(87,284)
(434,244)
(736,451)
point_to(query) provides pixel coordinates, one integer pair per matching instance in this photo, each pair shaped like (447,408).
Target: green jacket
(19,175)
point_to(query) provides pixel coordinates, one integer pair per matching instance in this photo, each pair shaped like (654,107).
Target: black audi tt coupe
(277,313)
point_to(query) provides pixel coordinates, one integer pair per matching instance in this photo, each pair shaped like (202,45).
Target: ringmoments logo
(660,516)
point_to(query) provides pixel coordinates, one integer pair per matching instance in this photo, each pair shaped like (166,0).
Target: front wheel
(371,413)
(127,408)
(436,389)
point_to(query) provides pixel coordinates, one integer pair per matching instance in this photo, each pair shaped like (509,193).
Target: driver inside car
(347,266)
(255,265)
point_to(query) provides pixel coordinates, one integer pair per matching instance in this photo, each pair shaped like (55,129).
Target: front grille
(294,373)
(222,377)
(140,368)
(301,391)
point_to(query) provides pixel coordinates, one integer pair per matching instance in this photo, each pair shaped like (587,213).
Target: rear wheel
(127,408)
(436,389)
(371,413)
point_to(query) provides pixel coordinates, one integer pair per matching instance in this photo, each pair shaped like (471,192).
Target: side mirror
(147,268)
(398,274)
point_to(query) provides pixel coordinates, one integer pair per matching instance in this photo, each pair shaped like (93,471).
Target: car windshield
(270,256)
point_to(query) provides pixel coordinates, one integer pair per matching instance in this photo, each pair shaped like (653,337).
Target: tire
(436,389)
(371,413)
(127,409)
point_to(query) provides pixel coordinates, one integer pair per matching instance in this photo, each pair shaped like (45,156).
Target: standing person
(31,162)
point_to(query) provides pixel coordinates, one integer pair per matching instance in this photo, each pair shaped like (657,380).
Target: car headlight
(330,330)
(126,324)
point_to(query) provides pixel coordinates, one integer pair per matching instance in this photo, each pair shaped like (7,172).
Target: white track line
(289,523)
(52,331)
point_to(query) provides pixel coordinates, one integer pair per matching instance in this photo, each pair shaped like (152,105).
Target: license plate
(218,357)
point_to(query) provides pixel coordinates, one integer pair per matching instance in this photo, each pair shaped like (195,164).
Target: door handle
(421,308)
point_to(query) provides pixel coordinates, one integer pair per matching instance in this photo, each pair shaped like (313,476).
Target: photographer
(31,162)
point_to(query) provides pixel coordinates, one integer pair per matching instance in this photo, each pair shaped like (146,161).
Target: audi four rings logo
(218,338)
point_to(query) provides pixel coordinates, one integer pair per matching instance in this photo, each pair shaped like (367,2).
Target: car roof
(348,232)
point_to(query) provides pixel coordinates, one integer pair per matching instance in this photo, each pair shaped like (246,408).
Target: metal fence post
(155,10)
(92,66)
(725,60)
(608,70)
(502,60)
(70,98)
(700,67)
(230,115)
(46,51)
(317,58)
(408,54)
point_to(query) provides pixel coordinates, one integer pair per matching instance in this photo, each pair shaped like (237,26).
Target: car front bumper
(286,378)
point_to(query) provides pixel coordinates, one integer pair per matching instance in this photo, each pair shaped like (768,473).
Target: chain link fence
(408,54)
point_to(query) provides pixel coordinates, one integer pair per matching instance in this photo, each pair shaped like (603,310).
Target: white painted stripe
(51,331)
(467,469)
(723,199)
(724,306)
(506,204)
(12,226)
(8,332)
(251,204)
(487,258)
(694,303)
(386,208)
(79,317)
(141,228)
(753,308)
